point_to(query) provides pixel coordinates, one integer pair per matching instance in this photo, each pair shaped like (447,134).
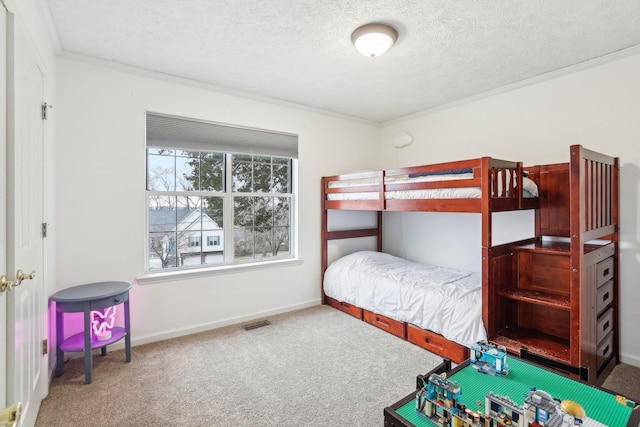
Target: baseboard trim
(630,359)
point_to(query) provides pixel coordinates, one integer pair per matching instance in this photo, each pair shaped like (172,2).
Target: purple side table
(87,298)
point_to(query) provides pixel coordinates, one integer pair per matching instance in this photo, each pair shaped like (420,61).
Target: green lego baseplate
(598,404)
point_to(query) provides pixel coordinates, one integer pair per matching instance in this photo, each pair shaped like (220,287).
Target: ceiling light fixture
(374,39)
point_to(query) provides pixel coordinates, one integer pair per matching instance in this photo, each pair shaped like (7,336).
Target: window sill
(213,271)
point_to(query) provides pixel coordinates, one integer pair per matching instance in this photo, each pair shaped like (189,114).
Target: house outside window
(242,205)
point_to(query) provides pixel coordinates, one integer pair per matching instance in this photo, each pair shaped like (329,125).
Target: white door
(26,308)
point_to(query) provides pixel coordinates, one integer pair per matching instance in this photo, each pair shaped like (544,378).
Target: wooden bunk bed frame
(499,192)
(552,298)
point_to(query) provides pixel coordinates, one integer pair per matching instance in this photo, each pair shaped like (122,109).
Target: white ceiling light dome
(374,39)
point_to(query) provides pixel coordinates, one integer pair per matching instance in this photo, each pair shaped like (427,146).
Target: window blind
(165,131)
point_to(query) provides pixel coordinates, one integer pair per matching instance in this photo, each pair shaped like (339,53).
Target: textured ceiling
(300,50)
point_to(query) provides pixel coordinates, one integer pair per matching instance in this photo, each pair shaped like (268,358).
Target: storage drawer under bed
(386,323)
(437,344)
(344,306)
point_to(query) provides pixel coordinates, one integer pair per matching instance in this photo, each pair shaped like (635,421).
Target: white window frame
(230,263)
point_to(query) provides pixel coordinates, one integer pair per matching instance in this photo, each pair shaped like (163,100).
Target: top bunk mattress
(530,188)
(443,300)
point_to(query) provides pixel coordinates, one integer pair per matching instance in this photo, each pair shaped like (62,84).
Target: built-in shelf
(553,247)
(535,342)
(535,297)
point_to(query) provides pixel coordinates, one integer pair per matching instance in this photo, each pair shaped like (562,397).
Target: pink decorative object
(103,336)
(102,323)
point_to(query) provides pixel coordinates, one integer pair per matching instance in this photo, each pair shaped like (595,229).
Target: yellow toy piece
(573,408)
(625,402)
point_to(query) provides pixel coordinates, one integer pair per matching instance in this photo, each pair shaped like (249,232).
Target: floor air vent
(256,325)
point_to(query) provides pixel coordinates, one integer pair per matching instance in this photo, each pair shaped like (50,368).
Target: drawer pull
(433,345)
(605,351)
(116,300)
(605,326)
(382,322)
(605,272)
(605,296)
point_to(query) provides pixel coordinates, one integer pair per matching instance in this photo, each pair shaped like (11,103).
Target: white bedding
(442,300)
(530,188)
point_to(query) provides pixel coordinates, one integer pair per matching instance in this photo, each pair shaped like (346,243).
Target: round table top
(91,291)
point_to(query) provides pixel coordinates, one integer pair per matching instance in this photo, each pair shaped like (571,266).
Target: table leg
(59,339)
(127,330)
(87,343)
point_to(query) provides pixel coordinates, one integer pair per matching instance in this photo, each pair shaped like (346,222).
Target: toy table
(85,299)
(599,404)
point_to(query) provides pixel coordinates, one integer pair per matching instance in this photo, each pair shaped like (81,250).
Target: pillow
(530,186)
(447,172)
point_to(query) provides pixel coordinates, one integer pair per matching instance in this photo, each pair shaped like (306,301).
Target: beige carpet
(313,367)
(624,380)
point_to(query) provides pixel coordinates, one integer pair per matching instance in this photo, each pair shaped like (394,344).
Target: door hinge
(45,106)
(44,229)
(45,346)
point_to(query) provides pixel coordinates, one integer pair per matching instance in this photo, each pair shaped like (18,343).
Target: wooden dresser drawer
(345,306)
(604,271)
(605,351)
(604,296)
(604,326)
(386,323)
(437,344)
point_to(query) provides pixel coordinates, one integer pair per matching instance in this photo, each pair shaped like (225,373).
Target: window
(241,203)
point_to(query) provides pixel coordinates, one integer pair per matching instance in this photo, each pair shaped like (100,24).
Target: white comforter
(442,300)
(530,188)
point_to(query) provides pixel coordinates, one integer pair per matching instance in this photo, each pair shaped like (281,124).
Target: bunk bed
(482,185)
(552,298)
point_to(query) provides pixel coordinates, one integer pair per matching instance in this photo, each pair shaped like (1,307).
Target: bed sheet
(443,300)
(530,188)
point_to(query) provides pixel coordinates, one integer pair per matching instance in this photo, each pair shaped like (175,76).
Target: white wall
(101,194)
(426,237)
(596,107)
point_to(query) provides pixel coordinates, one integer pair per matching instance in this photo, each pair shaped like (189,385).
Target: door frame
(3,197)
